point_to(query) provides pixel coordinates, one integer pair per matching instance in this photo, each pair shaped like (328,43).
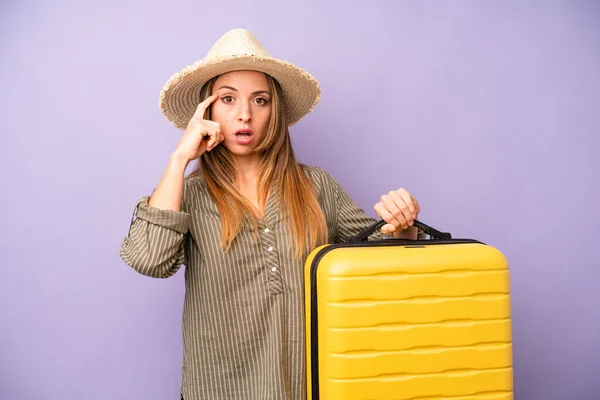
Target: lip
(243,140)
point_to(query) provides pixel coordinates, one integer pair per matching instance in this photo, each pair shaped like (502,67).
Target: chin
(243,151)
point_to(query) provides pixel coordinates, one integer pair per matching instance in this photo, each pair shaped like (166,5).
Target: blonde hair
(298,198)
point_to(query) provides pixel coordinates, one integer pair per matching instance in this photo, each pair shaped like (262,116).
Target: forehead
(243,80)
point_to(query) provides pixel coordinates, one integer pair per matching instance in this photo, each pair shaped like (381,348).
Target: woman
(244,221)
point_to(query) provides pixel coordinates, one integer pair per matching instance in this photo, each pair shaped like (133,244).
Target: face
(243,110)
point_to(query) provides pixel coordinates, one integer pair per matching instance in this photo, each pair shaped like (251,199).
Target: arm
(169,192)
(155,244)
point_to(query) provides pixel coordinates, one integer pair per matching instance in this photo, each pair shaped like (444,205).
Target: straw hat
(238,49)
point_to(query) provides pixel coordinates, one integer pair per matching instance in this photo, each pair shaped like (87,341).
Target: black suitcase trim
(314,320)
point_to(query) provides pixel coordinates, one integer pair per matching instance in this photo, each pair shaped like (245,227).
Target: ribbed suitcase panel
(458,333)
(402,285)
(422,323)
(419,311)
(425,386)
(419,361)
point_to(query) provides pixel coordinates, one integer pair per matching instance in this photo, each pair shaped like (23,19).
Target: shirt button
(273,269)
(270,248)
(266,230)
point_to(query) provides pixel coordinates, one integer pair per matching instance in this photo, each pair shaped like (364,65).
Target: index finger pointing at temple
(199,114)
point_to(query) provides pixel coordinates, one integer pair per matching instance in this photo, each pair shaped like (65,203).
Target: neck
(247,171)
(247,181)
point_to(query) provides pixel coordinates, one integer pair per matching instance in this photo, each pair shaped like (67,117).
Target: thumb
(388,228)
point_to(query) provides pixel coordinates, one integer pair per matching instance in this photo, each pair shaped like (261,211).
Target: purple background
(487,111)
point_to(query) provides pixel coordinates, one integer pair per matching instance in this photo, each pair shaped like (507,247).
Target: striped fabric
(243,320)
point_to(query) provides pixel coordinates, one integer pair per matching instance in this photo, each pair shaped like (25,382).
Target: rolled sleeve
(176,220)
(156,240)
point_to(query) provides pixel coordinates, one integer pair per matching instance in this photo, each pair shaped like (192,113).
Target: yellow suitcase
(398,319)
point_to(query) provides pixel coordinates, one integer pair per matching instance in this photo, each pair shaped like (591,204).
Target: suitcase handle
(433,233)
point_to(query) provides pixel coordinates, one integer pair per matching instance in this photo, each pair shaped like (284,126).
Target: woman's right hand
(201,134)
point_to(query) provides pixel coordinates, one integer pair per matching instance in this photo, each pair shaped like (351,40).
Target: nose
(244,114)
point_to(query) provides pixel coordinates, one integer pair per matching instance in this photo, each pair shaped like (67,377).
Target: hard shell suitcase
(402,319)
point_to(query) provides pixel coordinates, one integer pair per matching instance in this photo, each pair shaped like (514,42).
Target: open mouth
(243,134)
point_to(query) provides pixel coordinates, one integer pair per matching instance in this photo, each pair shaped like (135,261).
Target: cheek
(220,114)
(265,118)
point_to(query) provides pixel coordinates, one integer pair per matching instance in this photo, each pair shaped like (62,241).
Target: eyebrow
(235,90)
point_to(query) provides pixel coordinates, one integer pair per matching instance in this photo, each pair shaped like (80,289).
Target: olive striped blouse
(243,320)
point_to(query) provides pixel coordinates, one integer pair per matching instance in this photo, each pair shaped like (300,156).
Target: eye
(261,101)
(227,99)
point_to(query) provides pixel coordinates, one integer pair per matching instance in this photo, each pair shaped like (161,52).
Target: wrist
(178,159)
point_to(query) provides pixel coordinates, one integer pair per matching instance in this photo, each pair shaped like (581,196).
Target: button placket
(271,259)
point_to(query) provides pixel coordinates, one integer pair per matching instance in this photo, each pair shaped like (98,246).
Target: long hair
(297,195)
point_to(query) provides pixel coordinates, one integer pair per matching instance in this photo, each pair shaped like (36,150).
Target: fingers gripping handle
(433,233)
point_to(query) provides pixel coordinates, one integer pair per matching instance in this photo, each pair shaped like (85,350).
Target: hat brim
(181,94)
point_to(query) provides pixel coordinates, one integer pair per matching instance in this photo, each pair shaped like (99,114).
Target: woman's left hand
(399,209)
